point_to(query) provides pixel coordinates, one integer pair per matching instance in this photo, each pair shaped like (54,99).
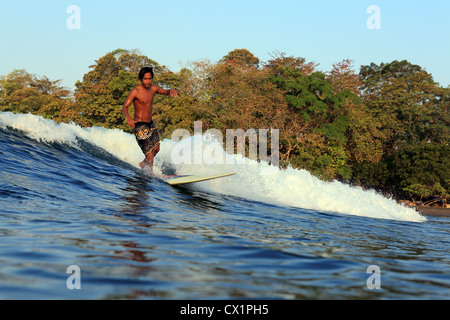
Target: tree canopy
(383,127)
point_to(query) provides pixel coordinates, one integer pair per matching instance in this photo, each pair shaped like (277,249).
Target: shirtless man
(145,131)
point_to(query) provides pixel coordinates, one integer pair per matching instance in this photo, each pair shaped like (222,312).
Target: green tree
(99,97)
(364,139)
(422,170)
(242,56)
(242,96)
(408,103)
(316,111)
(412,114)
(22,92)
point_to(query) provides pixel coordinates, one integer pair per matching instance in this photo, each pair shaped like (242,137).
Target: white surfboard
(179,180)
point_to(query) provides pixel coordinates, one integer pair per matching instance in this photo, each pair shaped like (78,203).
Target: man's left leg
(149,159)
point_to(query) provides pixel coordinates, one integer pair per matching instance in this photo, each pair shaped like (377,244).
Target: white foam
(116,142)
(292,187)
(255,181)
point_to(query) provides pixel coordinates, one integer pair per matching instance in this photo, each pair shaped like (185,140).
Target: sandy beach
(434,211)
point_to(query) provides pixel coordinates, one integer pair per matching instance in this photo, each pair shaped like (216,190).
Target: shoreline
(434,211)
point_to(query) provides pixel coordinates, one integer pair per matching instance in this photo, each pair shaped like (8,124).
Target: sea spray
(114,141)
(260,181)
(254,180)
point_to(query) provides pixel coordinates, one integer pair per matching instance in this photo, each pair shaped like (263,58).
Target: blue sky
(34,33)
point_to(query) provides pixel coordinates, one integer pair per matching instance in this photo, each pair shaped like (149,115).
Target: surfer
(144,129)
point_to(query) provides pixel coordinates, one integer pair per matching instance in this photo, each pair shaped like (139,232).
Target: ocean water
(73,196)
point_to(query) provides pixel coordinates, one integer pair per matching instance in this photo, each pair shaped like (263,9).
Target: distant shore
(434,211)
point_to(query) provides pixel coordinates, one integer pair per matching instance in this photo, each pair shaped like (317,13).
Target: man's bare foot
(146,165)
(143,164)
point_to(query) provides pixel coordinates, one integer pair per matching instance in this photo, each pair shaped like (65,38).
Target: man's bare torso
(143,103)
(142,98)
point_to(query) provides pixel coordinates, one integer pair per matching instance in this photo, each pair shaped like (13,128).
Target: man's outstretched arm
(172,92)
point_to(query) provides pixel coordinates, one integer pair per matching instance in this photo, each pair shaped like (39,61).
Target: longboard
(179,180)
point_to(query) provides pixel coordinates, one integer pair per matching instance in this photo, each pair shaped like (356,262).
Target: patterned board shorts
(147,136)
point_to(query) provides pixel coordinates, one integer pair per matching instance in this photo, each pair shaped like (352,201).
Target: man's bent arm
(125,106)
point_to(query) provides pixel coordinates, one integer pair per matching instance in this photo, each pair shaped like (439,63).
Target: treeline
(386,127)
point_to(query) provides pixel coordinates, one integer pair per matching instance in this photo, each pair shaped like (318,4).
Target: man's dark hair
(145,70)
